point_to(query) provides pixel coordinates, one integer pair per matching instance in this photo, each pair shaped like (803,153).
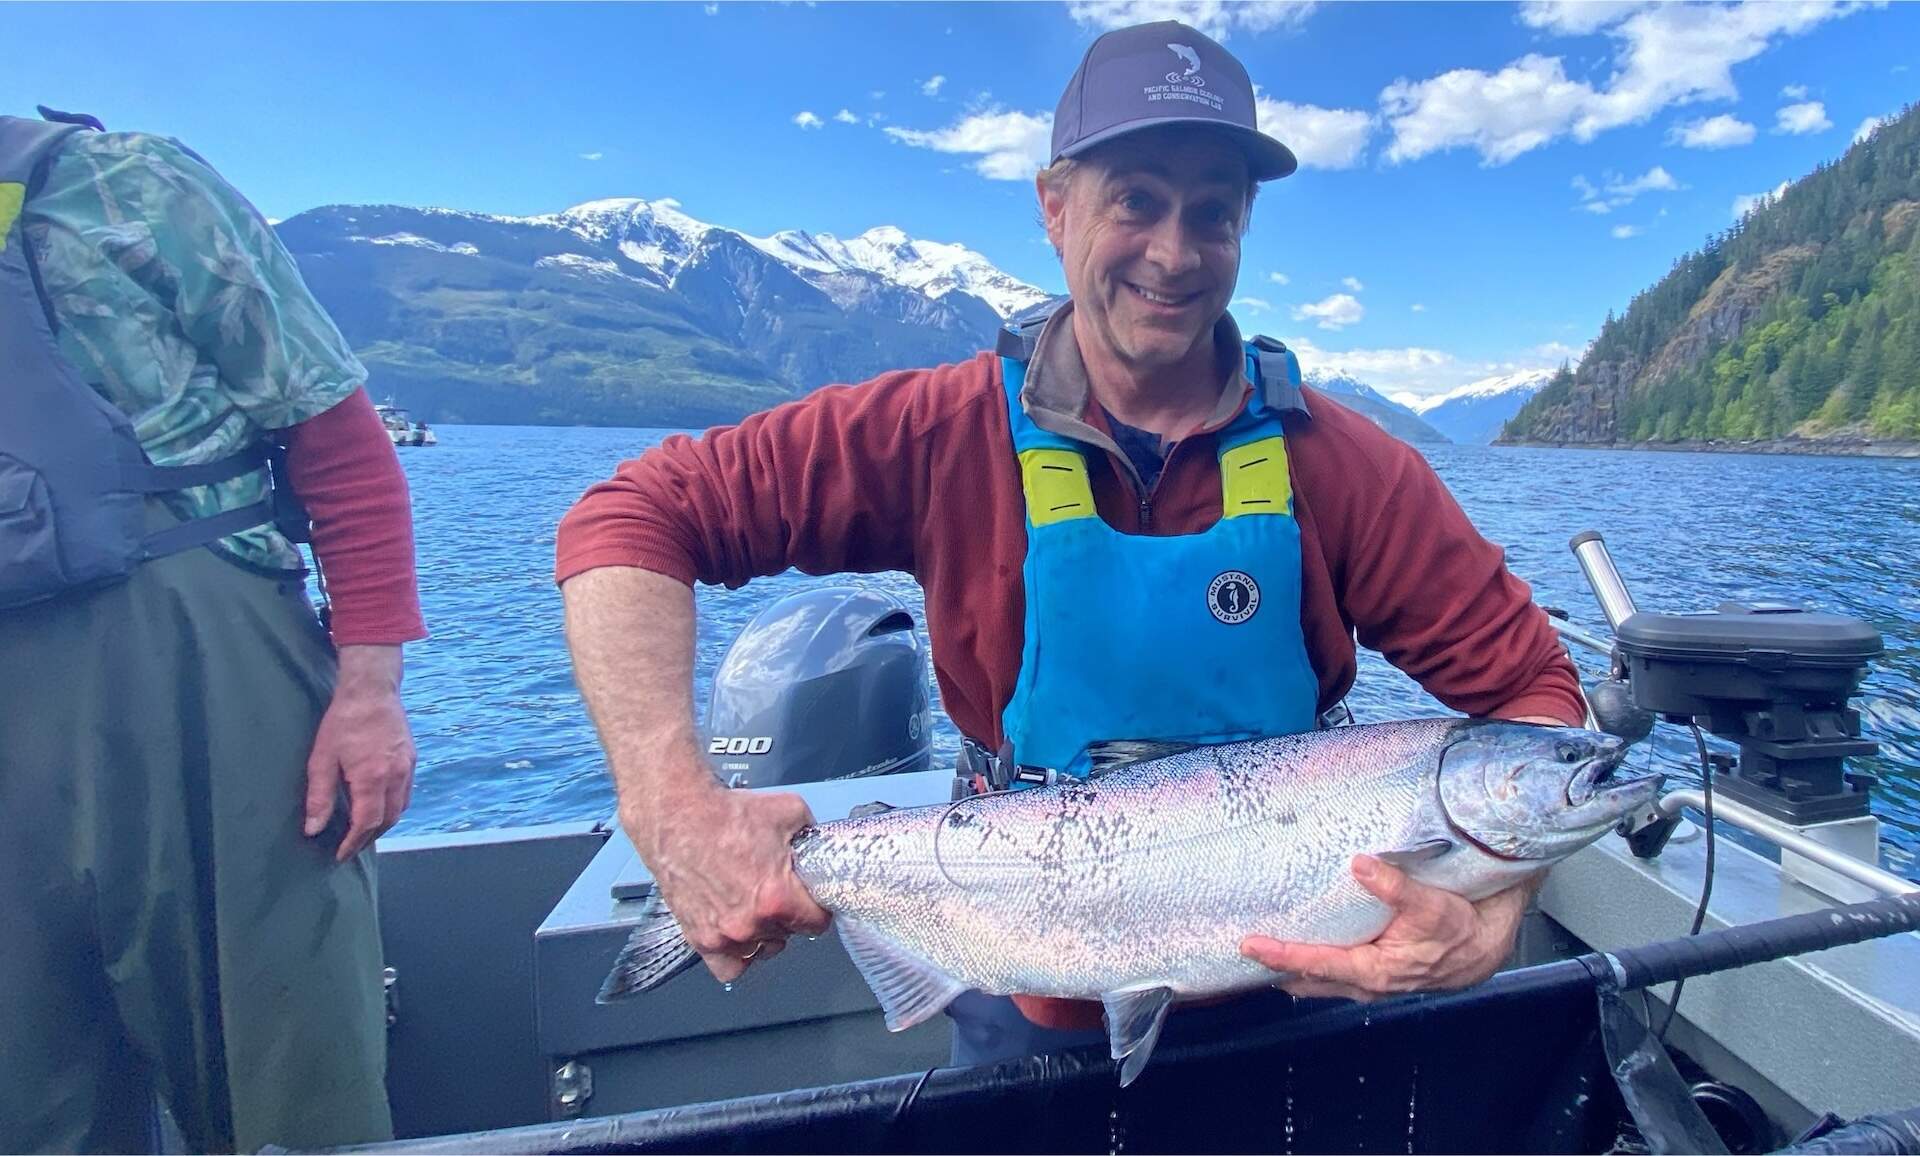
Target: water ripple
(503,738)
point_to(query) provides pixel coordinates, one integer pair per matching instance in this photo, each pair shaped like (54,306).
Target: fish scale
(1079,870)
(1137,885)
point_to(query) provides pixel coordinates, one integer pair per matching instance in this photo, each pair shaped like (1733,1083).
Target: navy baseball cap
(1163,73)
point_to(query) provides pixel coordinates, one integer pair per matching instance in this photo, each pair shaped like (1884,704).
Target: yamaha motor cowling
(829,683)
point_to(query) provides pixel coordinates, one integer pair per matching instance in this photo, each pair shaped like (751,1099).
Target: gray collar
(1057,387)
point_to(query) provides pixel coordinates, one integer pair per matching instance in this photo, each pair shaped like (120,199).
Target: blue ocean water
(504,741)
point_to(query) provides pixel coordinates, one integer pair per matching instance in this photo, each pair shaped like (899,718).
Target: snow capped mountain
(1475,412)
(933,268)
(1335,381)
(661,238)
(1383,411)
(1527,382)
(629,311)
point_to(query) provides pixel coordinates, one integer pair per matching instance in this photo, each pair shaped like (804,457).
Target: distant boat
(402,430)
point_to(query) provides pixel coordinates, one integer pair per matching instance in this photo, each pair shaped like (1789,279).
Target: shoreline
(1808,447)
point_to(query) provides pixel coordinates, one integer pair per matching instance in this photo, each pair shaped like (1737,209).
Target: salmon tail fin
(654,954)
(910,989)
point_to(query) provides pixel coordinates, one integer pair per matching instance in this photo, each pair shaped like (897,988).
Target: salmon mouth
(1602,780)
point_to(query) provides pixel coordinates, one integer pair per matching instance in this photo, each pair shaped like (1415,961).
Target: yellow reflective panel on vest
(1056,486)
(1254,480)
(13,195)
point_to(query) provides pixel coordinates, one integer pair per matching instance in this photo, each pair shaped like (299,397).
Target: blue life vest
(73,476)
(1191,638)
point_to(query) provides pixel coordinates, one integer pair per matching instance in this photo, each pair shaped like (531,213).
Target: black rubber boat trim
(669,1129)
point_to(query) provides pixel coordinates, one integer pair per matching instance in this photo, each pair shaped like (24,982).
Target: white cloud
(1556,351)
(1577,17)
(1321,138)
(1216,18)
(712,9)
(1012,146)
(1420,371)
(1670,54)
(1336,312)
(877,94)
(1716,132)
(1387,370)
(1279,278)
(274,220)
(591,156)
(932,86)
(1257,304)
(1418,308)
(1868,127)
(1801,119)
(1352,283)
(845,116)
(1742,205)
(808,120)
(1617,191)
(1794,92)
(1502,115)
(1622,232)
(1655,179)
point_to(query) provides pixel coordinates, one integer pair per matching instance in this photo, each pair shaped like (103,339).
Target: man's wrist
(369,667)
(683,785)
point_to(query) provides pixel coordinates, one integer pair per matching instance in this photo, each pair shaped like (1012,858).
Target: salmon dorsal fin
(1134,1019)
(1114,754)
(910,989)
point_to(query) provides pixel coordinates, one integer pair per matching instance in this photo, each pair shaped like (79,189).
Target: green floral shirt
(179,304)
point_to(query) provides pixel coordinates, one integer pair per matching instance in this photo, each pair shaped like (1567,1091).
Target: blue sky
(1481,183)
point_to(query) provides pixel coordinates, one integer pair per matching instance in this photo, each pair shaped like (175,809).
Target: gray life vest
(73,477)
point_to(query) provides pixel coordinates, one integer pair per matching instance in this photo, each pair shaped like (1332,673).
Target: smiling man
(1128,523)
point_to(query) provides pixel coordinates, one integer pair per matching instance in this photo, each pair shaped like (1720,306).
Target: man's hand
(363,741)
(722,861)
(1436,942)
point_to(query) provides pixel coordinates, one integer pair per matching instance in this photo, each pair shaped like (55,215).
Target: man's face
(1148,231)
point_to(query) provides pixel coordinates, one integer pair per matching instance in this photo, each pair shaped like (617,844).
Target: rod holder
(1590,550)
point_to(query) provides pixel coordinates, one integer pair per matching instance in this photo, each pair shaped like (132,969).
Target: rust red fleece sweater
(914,471)
(343,466)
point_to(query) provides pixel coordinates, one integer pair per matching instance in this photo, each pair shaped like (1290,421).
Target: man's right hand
(722,861)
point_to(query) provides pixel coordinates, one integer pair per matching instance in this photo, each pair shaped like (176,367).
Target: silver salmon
(1136,885)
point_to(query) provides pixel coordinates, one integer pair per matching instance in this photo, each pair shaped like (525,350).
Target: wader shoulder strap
(1021,332)
(205,531)
(150,479)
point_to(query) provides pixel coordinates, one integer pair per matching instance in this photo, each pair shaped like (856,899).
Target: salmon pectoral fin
(653,954)
(1418,853)
(910,989)
(1134,1019)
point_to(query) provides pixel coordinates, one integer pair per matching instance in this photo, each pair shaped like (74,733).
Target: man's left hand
(1437,941)
(364,743)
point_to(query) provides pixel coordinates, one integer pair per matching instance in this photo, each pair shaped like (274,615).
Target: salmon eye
(1567,753)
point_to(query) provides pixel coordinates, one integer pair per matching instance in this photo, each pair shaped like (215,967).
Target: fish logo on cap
(1186,53)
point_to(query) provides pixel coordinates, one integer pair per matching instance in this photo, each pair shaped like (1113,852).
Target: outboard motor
(828,683)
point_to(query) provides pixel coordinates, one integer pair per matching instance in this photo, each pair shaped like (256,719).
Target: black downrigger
(1775,679)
